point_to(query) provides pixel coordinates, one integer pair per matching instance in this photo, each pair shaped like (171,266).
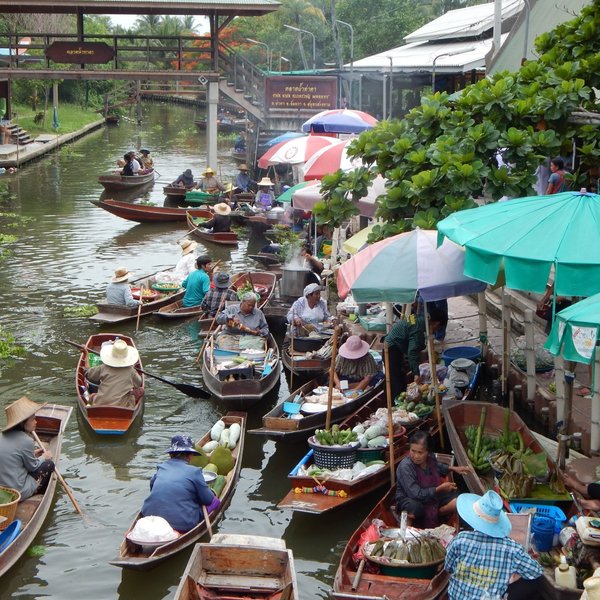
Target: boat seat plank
(234,539)
(231,582)
(26,508)
(313,503)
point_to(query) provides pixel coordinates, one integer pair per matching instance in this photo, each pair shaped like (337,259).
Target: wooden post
(530,353)
(388,393)
(559,381)
(389,316)
(505,341)
(483,325)
(331,374)
(595,387)
(434,380)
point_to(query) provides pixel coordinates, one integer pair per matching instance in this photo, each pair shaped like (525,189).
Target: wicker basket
(332,457)
(9,510)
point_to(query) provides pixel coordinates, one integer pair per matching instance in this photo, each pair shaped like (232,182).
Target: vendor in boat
(240,143)
(243,181)
(264,198)
(406,340)
(420,490)
(589,494)
(197,283)
(355,365)
(484,562)
(221,221)
(244,317)
(185,180)
(216,297)
(119,291)
(185,265)
(136,163)
(309,312)
(178,490)
(119,383)
(146,160)
(23,467)
(209,183)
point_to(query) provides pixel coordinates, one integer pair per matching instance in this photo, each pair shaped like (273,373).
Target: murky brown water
(66,258)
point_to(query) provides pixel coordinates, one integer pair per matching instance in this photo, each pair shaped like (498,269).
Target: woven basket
(332,457)
(9,510)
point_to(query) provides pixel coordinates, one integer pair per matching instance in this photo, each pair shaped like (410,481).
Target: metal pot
(293,281)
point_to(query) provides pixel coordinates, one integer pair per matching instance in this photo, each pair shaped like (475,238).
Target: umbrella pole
(564,430)
(595,432)
(331,374)
(388,393)
(505,341)
(434,380)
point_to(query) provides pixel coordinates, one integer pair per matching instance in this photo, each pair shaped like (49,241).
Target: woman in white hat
(221,220)
(309,311)
(119,290)
(264,198)
(185,265)
(209,182)
(119,382)
(355,365)
(23,467)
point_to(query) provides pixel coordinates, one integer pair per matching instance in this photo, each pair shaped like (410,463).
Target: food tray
(166,288)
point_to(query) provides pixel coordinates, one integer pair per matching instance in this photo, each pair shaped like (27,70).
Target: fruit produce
(223,459)
(415,551)
(211,467)
(217,485)
(217,430)
(335,437)
(200,460)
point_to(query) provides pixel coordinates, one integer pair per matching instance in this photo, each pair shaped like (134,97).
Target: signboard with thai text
(301,93)
(80,52)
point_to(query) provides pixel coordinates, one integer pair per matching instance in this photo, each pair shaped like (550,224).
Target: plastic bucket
(470,352)
(543,533)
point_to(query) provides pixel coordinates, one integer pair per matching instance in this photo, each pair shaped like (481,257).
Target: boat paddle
(207,521)
(137,324)
(188,389)
(59,476)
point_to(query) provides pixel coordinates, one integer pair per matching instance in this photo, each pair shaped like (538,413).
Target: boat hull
(224,238)
(141,213)
(116,183)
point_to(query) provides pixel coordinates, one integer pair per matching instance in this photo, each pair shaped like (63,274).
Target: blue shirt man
(197,283)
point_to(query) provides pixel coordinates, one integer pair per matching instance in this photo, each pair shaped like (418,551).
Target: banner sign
(80,52)
(301,93)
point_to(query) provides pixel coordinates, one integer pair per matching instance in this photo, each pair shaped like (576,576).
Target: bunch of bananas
(422,550)
(335,436)
(479,456)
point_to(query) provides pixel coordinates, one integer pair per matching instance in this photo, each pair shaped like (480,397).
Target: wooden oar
(388,393)
(207,521)
(188,389)
(59,476)
(201,353)
(137,324)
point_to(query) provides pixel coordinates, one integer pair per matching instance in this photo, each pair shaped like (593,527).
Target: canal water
(65,258)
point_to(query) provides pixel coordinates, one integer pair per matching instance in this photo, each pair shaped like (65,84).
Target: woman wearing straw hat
(264,198)
(185,265)
(221,220)
(147,160)
(119,290)
(243,181)
(355,365)
(23,467)
(485,560)
(119,382)
(217,296)
(209,183)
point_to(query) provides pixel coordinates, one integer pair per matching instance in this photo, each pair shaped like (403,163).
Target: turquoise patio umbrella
(287,195)
(529,237)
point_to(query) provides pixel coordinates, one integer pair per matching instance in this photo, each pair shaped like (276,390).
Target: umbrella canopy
(295,151)
(284,137)
(288,194)
(329,160)
(396,268)
(358,241)
(532,235)
(308,196)
(576,330)
(340,121)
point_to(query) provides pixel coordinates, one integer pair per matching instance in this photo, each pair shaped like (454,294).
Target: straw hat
(208,171)
(20,410)
(354,348)
(484,513)
(121,274)
(222,208)
(229,188)
(119,354)
(187,246)
(243,167)
(265,181)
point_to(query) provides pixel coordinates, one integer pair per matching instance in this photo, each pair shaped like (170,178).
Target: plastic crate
(552,512)
(366,455)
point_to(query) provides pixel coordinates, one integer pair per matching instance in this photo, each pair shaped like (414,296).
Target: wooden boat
(199,197)
(51,423)
(240,156)
(116,182)
(104,420)
(267,259)
(278,426)
(243,392)
(176,310)
(175,191)
(225,238)
(133,556)
(262,282)
(227,126)
(115,313)
(352,582)
(142,213)
(235,566)
(304,364)
(112,119)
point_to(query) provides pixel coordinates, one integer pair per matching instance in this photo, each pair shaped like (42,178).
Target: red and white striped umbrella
(340,120)
(296,151)
(329,160)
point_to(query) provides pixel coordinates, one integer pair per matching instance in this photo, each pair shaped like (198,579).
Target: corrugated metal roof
(464,22)
(452,57)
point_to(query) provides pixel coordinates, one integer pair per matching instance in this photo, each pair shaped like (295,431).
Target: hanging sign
(301,93)
(80,52)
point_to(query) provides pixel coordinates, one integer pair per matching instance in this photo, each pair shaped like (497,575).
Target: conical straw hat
(20,410)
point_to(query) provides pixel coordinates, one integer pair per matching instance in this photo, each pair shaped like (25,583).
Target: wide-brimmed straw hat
(20,410)
(119,354)
(484,513)
(187,246)
(243,167)
(208,171)
(121,274)
(222,208)
(182,443)
(222,280)
(265,181)
(229,187)
(353,348)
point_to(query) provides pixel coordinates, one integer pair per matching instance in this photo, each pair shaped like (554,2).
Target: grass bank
(70,118)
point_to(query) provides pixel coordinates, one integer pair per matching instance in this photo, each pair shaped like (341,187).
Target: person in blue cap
(178,490)
(484,562)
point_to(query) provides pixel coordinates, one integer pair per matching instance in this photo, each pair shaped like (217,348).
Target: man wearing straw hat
(119,382)
(119,291)
(209,183)
(243,181)
(23,467)
(185,265)
(486,560)
(221,221)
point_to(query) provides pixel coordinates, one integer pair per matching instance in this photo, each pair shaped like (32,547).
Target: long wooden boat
(303,364)
(267,259)
(243,392)
(104,420)
(112,119)
(115,313)
(115,183)
(239,566)
(349,583)
(142,213)
(240,156)
(176,310)
(222,238)
(51,423)
(175,191)
(276,424)
(223,126)
(133,556)
(263,284)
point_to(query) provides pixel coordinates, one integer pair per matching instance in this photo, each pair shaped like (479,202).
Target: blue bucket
(471,352)
(542,529)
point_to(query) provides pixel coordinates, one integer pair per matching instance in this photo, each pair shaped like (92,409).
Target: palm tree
(297,13)
(147,24)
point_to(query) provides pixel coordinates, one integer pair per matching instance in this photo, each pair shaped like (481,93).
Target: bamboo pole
(388,393)
(505,341)
(434,381)
(331,376)
(139,314)
(530,353)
